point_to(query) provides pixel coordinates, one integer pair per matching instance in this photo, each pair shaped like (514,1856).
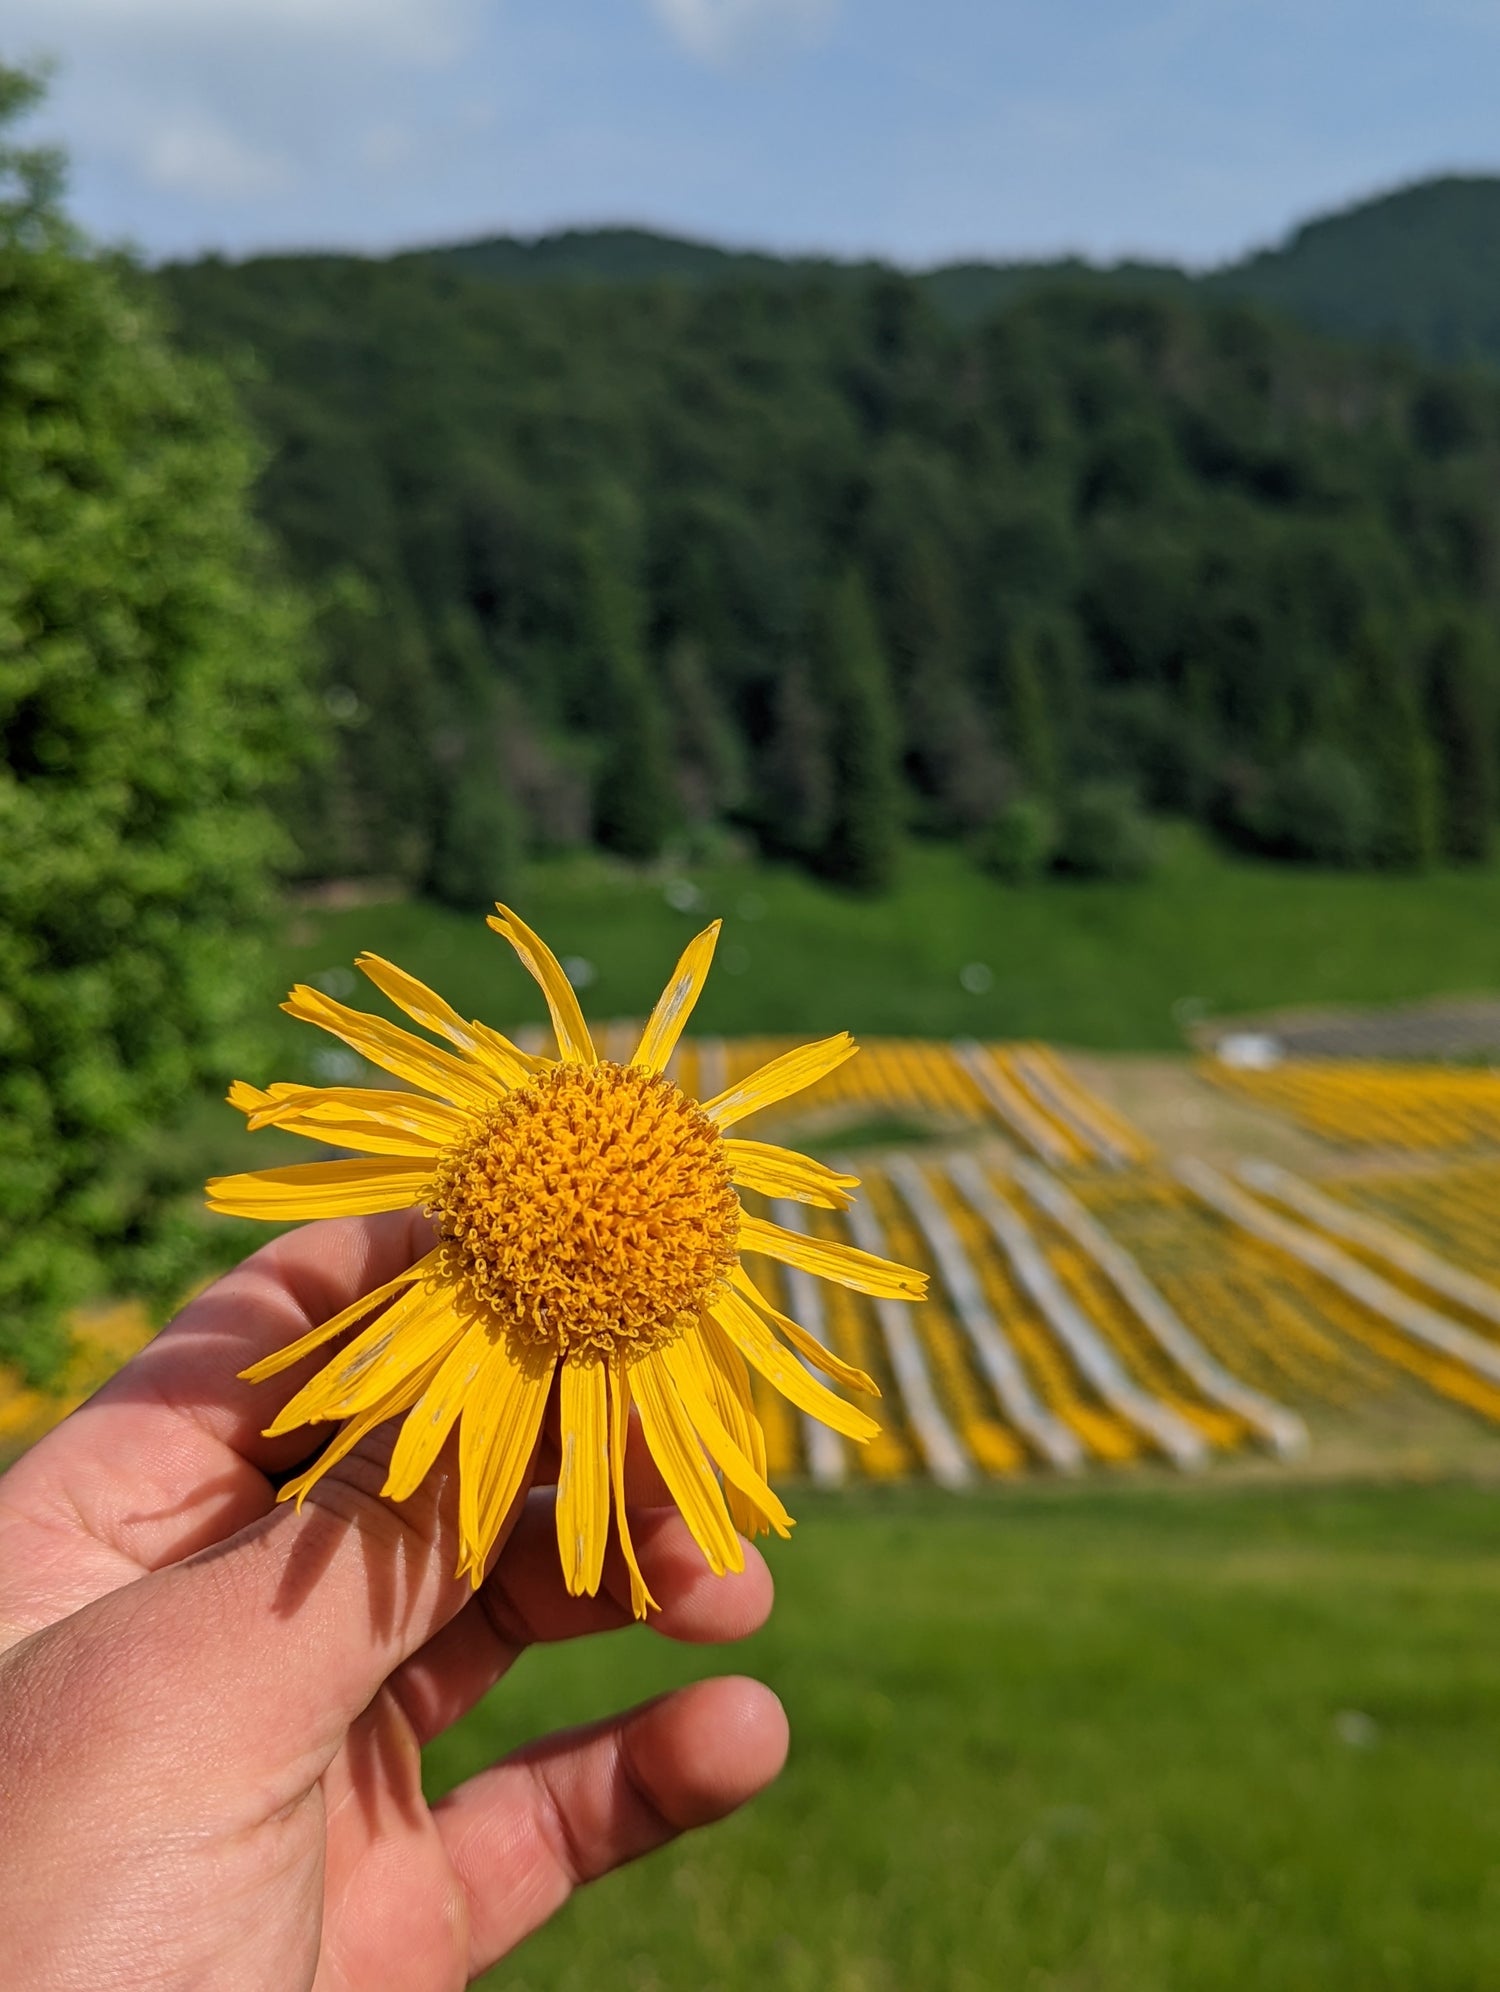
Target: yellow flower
(589,1229)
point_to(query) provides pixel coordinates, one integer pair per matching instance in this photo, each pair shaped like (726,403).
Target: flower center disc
(593,1211)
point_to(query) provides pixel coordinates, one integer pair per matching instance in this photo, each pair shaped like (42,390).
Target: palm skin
(214,1706)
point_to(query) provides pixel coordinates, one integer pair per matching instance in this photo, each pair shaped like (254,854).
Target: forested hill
(808,557)
(963,292)
(1419,267)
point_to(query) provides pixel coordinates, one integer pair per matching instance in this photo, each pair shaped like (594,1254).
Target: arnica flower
(589,1230)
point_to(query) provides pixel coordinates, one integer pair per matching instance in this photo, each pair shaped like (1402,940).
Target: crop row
(1365,1104)
(1452,1209)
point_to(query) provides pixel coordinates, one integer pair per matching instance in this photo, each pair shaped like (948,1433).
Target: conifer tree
(1397,748)
(1461,698)
(948,755)
(1029,738)
(634,793)
(475,830)
(794,783)
(709,761)
(864,831)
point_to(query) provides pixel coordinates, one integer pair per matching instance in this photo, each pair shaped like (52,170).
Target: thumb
(290,1628)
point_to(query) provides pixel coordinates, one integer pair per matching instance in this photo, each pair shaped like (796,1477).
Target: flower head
(589,1235)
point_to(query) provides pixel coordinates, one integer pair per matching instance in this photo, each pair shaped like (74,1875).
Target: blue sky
(919,130)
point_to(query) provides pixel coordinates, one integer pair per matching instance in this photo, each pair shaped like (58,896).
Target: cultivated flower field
(1096,1302)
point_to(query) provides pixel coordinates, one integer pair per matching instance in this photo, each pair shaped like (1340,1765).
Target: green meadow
(1086,963)
(1114,1739)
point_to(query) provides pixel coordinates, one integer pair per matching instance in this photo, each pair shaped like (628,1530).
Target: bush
(1018,846)
(1105,834)
(1320,807)
(150,706)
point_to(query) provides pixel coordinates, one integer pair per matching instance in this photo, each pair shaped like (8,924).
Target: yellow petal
(731,1380)
(428,1121)
(674,1446)
(791,1073)
(725,1453)
(497,1436)
(641,1599)
(249,1099)
(420,1325)
(781,1172)
(716,1361)
(429,1423)
(348,1437)
(846,1264)
(806,1345)
(321,1189)
(675,1006)
(750,1334)
(505,1061)
(395,1050)
(583,1476)
(574,1044)
(337,1323)
(364,1136)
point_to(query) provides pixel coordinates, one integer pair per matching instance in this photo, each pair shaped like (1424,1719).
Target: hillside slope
(1418,267)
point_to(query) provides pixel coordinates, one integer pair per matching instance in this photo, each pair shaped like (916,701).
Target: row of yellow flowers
(1277,1322)
(1381,1105)
(1263,1315)
(1451,1209)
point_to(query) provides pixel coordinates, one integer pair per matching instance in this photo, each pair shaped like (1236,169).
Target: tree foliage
(864,826)
(1103,535)
(150,703)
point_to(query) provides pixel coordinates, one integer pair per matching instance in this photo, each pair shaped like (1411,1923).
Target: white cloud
(723,31)
(196,155)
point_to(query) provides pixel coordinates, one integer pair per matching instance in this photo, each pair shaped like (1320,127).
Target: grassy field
(1113,1740)
(1097,965)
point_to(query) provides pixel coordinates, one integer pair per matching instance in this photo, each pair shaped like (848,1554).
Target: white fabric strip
(1382,1241)
(1281,1428)
(940,1446)
(1167,1429)
(1422,1324)
(1002,1368)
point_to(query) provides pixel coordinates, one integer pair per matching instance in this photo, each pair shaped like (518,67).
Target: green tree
(634,794)
(1103,834)
(1020,843)
(795,776)
(474,844)
(1027,665)
(150,707)
(1397,748)
(1320,807)
(706,749)
(1461,698)
(864,831)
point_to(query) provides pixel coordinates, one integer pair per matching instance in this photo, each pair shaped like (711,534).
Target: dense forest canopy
(811,555)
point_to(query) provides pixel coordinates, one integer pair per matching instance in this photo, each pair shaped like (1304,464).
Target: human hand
(213,1707)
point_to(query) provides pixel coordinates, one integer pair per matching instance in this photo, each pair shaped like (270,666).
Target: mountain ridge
(1417,265)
